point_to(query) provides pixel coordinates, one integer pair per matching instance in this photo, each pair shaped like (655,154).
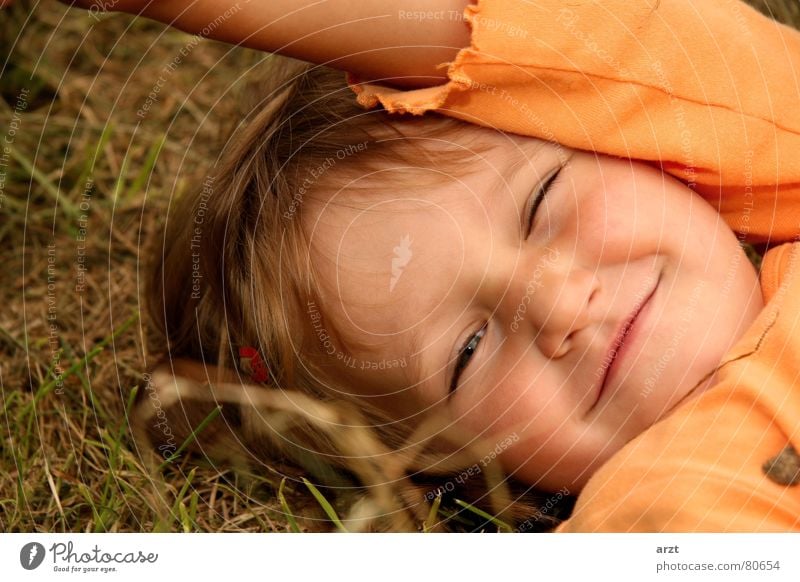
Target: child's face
(626,294)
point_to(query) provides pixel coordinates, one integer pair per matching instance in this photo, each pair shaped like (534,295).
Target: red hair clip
(251,363)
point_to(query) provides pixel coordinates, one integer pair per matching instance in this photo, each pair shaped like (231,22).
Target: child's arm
(376,39)
(707,90)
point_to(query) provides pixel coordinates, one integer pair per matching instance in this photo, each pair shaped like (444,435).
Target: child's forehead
(362,245)
(379,275)
(389,190)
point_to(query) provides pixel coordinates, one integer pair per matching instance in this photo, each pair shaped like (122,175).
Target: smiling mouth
(613,353)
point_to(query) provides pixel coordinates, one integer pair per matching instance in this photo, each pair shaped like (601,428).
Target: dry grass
(87,181)
(84,165)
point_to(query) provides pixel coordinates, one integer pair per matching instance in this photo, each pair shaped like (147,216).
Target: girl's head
(554,301)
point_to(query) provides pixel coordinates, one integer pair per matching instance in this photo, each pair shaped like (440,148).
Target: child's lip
(622,340)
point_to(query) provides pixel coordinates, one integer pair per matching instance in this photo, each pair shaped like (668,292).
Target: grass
(86,182)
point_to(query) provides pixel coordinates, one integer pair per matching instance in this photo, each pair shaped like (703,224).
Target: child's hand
(376,39)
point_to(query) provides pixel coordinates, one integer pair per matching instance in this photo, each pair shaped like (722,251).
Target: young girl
(592,312)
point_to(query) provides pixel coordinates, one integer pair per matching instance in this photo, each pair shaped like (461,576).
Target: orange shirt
(700,468)
(709,91)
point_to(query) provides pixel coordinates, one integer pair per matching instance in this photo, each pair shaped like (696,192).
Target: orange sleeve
(775,267)
(709,90)
(701,469)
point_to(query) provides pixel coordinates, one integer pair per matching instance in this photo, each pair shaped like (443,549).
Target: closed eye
(537,199)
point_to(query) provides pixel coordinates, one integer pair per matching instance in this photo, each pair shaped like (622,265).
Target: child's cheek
(590,204)
(526,401)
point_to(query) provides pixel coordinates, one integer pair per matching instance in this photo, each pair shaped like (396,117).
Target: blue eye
(465,355)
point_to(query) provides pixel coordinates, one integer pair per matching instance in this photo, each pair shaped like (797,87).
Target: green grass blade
(427,525)
(13,340)
(128,408)
(123,171)
(326,506)
(192,437)
(186,521)
(147,168)
(479,512)
(185,487)
(179,507)
(69,208)
(83,362)
(91,161)
(193,501)
(87,495)
(286,509)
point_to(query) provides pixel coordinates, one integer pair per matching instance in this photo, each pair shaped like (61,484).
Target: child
(608,337)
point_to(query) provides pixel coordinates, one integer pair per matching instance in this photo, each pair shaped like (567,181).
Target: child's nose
(554,295)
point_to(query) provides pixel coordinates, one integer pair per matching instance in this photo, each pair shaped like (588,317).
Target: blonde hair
(231,270)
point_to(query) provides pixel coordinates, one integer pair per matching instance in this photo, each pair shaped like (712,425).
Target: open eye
(538,198)
(465,355)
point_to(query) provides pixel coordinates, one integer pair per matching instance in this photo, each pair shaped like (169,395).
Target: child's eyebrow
(525,157)
(508,176)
